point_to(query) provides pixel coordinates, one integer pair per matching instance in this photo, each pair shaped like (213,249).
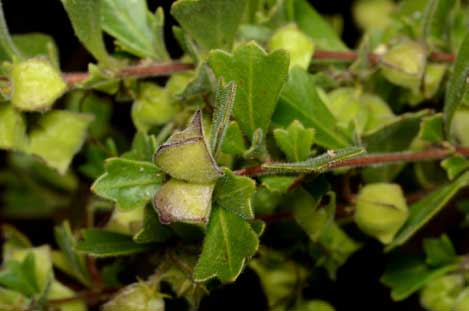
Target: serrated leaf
(130,23)
(311,23)
(234,193)
(224,101)
(455,165)
(185,202)
(457,83)
(439,251)
(229,241)
(131,184)
(299,100)
(431,128)
(212,23)
(85,17)
(317,164)
(259,77)
(58,136)
(20,276)
(75,263)
(295,141)
(423,210)
(102,243)
(153,231)
(12,128)
(233,143)
(186,156)
(407,274)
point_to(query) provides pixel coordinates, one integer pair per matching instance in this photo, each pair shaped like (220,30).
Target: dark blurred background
(357,286)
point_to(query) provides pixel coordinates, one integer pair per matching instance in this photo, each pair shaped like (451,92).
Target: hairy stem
(158,69)
(377,159)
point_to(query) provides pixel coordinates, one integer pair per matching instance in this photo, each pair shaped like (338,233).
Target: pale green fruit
(136,297)
(462,302)
(378,112)
(441,293)
(433,76)
(404,64)
(36,84)
(344,104)
(59,291)
(460,127)
(373,14)
(295,42)
(366,111)
(381,210)
(126,221)
(152,107)
(181,201)
(186,156)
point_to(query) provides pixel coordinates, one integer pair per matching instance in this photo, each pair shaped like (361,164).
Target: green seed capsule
(298,45)
(404,64)
(442,293)
(136,297)
(381,210)
(36,84)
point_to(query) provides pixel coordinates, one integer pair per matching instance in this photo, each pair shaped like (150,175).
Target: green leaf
(234,194)
(259,77)
(186,156)
(153,230)
(229,240)
(35,44)
(295,141)
(406,275)
(317,164)
(431,128)
(20,275)
(436,26)
(279,184)
(85,17)
(233,143)
(423,210)
(313,305)
(182,201)
(131,24)
(6,43)
(74,263)
(141,296)
(131,184)
(311,23)
(457,83)
(12,128)
(439,251)
(58,136)
(102,243)
(224,101)
(36,84)
(212,23)
(143,148)
(299,100)
(455,165)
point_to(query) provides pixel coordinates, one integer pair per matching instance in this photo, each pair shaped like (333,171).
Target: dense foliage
(270,146)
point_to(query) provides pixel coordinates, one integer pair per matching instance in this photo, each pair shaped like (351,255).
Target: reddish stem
(377,159)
